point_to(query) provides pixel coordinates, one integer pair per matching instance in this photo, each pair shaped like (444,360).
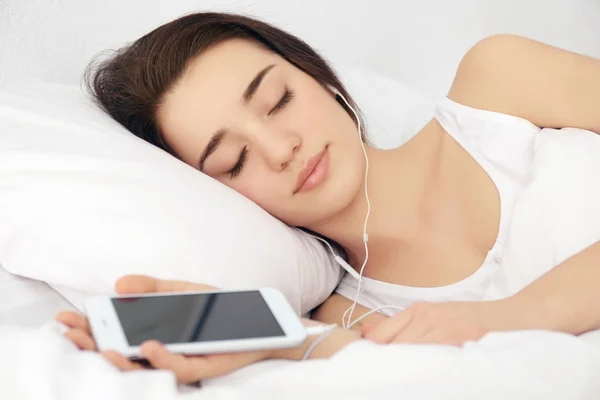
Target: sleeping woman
(260,111)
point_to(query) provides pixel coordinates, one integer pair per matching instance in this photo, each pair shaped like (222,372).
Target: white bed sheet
(38,363)
(27,302)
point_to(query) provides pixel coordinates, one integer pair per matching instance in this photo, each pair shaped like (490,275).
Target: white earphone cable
(347,321)
(365,237)
(356,321)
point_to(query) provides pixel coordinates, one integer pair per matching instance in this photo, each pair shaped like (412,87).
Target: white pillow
(394,112)
(83,201)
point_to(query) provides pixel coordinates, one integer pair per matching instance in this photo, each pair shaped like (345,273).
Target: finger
(412,333)
(136,284)
(193,369)
(387,329)
(159,357)
(454,337)
(73,320)
(130,284)
(220,364)
(120,361)
(81,339)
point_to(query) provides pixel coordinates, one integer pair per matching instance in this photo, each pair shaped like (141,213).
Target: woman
(257,109)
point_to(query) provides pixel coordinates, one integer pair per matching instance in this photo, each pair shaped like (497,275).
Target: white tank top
(503,145)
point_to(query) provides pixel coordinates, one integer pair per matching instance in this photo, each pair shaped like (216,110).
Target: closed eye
(237,168)
(285,99)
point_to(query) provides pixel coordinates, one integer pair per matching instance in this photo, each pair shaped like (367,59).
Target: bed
(52,42)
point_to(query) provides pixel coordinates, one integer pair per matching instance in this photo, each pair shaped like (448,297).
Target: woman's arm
(331,344)
(332,310)
(565,299)
(548,86)
(551,88)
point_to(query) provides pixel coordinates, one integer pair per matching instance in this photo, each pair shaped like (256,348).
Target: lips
(314,172)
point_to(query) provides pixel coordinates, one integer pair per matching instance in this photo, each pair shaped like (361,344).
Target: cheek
(243,188)
(260,191)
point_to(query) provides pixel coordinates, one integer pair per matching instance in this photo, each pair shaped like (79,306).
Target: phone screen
(196,317)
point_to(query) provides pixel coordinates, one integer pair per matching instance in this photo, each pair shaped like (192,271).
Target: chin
(329,201)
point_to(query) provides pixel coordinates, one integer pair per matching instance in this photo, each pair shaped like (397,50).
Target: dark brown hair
(131,84)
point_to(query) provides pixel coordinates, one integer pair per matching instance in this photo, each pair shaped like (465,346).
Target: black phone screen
(196,317)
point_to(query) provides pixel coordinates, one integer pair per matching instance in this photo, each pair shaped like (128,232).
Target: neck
(397,184)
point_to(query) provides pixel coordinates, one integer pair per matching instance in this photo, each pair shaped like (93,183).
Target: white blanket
(41,364)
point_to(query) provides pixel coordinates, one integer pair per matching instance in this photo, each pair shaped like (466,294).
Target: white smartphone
(195,323)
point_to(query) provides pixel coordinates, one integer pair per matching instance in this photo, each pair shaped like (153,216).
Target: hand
(451,323)
(186,369)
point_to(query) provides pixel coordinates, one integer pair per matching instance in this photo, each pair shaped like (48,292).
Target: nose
(279,148)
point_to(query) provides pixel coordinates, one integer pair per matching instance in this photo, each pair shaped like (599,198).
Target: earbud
(336,92)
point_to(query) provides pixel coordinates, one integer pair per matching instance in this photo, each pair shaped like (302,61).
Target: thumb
(136,284)
(131,284)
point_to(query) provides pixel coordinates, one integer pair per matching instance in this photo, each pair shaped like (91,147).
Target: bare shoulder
(483,72)
(332,310)
(547,85)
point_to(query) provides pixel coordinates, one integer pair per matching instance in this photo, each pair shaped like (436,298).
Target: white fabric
(26,302)
(503,146)
(41,364)
(558,214)
(502,365)
(83,202)
(394,112)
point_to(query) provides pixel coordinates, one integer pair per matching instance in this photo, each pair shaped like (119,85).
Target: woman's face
(248,118)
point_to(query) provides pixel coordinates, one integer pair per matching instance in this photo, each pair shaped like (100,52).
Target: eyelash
(285,99)
(237,168)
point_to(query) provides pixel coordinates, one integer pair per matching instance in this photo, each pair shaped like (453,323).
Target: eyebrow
(251,89)
(218,136)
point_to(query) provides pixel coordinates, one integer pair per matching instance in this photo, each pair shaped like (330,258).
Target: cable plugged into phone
(321,331)
(315,330)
